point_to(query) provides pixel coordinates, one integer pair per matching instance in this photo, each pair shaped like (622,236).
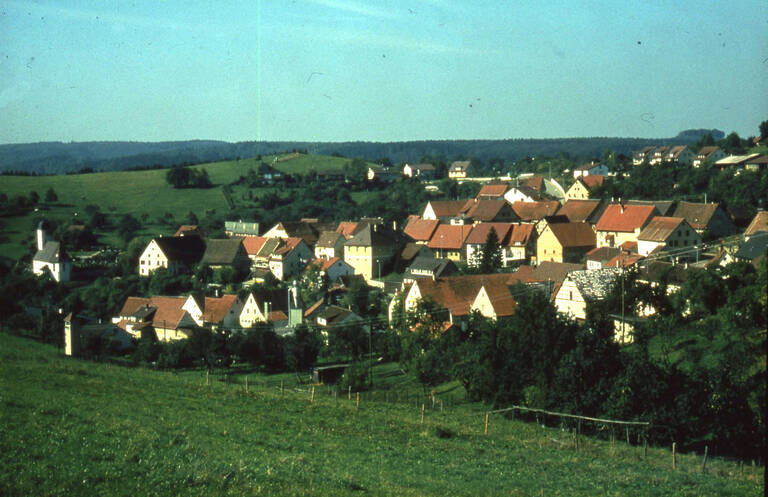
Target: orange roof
(421,230)
(592,181)
(624,260)
(573,234)
(759,223)
(287,245)
(521,234)
(253,244)
(449,237)
(535,183)
(502,301)
(629,246)
(216,309)
(493,190)
(625,218)
(186,228)
(533,211)
(277,316)
(168,312)
(458,293)
(479,233)
(447,208)
(578,210)
(484,209)
(660,228)
(347,228)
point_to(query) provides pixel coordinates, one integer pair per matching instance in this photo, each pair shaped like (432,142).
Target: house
(580,289)
(349,228)
(409,253)
(520,244)
(621,223)
(329,244)
(658,155)
(228,252)
(477,237)
(240,228)
(492,191)
(754,250)
(642,156)
(664,207)
(307,229)
(706,218)
(372,250)
(477,211)
(188,230)
(334,268)
(589,169)
(383,174)
(525,193)
(578,211)
(50,257)
(75,328)
(214,312)
(421,230)
(599,256)
(160,317)
(680,154)
(758,163)
(708,155)
(758,224)
(461,169)
(429,267)
(666,232)
(422,171)
(535,212)
(565,242)
(178,254)
(265,306)
(624,259)
(289,257)
(448,241)
(268,173)
(584,187)
(443,210)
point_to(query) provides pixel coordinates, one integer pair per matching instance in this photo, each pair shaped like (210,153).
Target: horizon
(336,71)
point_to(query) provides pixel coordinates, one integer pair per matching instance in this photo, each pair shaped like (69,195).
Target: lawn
(70,427)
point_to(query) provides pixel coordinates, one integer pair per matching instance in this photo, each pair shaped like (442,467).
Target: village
(464,256)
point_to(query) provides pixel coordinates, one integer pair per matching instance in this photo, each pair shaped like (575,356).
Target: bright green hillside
(74,428)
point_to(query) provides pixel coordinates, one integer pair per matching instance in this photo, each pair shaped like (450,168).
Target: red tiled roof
(186,228)
(347,228)
(502,301)
(573,234)
(447,208)
(759,223)
(458,293)
(707,151)
(592,181)
(633,217)
(479,233)
(288,245)
(216,309)
(533,211)
(493,190)
(421,230)
(253,244)
(168,314)
(660,228)
(624,260)
(521,234)
(449,237)
(484,209)
(578,210)
(277,316)
(629,246)
(698,215)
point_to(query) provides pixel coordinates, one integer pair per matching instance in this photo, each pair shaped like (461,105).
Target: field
(75,428)
(138,193)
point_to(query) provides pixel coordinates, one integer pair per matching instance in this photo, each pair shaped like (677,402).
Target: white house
(50,257)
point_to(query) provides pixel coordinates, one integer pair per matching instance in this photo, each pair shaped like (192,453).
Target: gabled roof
(594,285)
(447,208)
(675,151)
(484,209)
(307,231)
(216,309)
(707,151)
(220,252)
(587,166)
(493,190)
(329,239)
(373,235)
(325,264)
(334,315)
(277,299)
(458,293)
(603,254)
(520,235)
(663,206)
(287,245)
(460,165)
(347,229)
(534,211)
(754,248)
(698,215)
(412,250)
(660,228)
(573,234)
(186,249)
(449,237)
(426,166)
(431,264)
(253,244)
(624,260)
(167,312)
(52,252)
(535,183)
(187,230)
(582,210)
(592,181)
(421,229)
(553,271)
(758,223)
(479,233)
(625,218)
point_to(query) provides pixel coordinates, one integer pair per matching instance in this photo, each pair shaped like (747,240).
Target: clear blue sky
(338,70)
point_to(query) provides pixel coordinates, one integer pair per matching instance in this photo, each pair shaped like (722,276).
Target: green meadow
(69,427)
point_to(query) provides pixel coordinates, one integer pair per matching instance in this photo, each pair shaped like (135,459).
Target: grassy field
(76,428)
(138,193)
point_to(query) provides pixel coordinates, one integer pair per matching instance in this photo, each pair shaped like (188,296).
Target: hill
(83,428)
(59,158)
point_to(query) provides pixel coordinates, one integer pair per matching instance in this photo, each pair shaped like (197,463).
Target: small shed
(328,374)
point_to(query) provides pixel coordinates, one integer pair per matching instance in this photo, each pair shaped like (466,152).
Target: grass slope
(71,427)
(138,192)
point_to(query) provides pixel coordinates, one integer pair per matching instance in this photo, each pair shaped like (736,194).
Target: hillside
(82,428)
(59,158)
(143,194)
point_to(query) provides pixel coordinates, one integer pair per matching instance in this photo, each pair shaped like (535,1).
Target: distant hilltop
(62,158)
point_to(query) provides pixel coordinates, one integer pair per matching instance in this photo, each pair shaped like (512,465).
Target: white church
(50,256)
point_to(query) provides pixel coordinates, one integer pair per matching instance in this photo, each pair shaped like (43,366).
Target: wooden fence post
(704,463)
(627,435)
(422,413)
(349,392)
(246,384)
(645,447)
(487,415)
(357,399)
(674,455)
(281,388)
(207,378)
(312,395)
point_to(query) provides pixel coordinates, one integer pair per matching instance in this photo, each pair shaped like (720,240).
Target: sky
(379,70)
